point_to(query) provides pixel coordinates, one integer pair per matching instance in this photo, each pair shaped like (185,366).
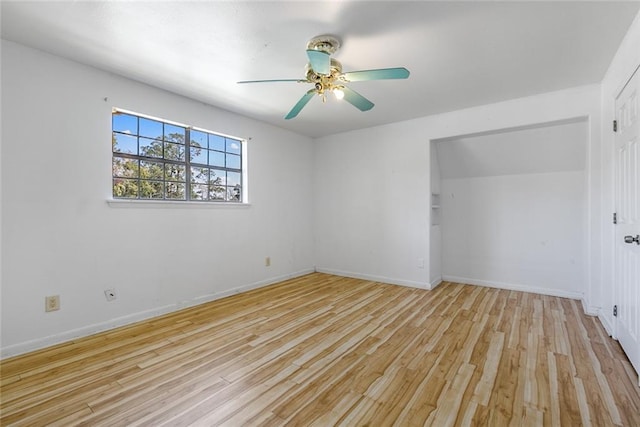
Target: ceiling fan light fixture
(338,93)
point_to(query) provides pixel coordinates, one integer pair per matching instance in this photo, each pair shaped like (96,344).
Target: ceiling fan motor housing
(325,82)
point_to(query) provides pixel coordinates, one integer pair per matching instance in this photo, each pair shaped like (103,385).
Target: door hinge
(615,218)
(615,126)
(615,311)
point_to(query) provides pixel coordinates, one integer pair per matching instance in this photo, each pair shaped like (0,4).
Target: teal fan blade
(380,74)
(300,105)
(357,100)
(320,61)
(271,81)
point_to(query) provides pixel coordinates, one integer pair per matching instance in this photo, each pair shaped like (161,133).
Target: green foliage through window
(155,160)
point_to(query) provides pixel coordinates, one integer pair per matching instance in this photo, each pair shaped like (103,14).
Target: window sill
(166,204)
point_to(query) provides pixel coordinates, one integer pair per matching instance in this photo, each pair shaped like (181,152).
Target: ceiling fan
(325,73)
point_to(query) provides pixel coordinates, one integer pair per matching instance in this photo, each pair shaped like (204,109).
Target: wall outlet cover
(52,303)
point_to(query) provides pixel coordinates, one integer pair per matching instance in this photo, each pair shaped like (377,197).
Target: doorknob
(631,239)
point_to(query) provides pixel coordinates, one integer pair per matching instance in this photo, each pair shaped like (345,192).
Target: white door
(627,199)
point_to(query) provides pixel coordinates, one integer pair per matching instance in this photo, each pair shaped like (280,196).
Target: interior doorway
(513,208)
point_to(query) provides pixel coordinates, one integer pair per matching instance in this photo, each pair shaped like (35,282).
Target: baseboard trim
(435,282)
(606,324)
(374,278)
(61,338)
(597,312)
(589,309)
(515,287)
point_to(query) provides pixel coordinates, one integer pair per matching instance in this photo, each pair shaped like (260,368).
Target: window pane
(150,147)
(199,175)
(174,172)
(124,123)
(233,161)
(233,178)
(126,168)
(216,142)
(174,133)
(175,190)
(234,193)
(150,128)
(217,177)
(233,146)
(124,143)
(127,188)
(216,192)
(173,151)
(151,189)
(199,192)
(198,155)
(151,170)
(216,158)
(198,139)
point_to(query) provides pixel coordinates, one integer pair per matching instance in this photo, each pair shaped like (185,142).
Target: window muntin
(150,161)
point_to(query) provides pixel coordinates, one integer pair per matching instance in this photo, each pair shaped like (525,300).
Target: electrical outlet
(110,294)
(52,303)
(267,261)
(420,262)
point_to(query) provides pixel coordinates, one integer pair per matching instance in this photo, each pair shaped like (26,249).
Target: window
(159,160)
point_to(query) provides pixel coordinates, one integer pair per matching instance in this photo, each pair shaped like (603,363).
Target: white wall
(371,205)
(626,60)
(60,237)
(523,232)
(372,186)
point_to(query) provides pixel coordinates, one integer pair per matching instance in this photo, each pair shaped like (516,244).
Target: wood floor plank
(327,350)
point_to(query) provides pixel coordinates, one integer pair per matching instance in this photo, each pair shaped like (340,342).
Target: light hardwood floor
(325,350)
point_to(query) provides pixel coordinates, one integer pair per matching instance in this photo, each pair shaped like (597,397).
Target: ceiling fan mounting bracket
(324,43)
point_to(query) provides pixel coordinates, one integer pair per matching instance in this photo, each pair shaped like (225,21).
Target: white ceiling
(460,54)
